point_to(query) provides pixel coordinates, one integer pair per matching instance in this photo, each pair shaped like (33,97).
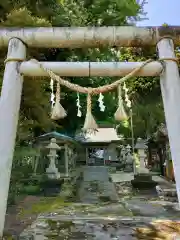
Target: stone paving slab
(104,221)
(142,208)
(81,230)
(91,228)
(121,219)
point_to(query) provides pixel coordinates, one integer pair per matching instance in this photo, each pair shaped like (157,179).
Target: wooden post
(9,112)
(170,88)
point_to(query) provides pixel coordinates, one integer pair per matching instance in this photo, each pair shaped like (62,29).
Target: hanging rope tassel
(58,111)
(90,123)
(120,114)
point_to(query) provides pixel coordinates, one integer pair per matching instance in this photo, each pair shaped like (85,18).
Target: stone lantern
(52,170)
(123,153)
(128,148)
(141,148)
(129,160)
(143,179)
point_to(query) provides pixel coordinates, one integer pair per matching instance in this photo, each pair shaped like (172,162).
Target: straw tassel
(58,111)
(90,123)
(120,114)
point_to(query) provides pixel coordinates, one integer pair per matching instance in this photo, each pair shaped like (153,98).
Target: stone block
(143,181)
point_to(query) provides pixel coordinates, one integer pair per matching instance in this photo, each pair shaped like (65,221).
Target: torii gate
(16,67)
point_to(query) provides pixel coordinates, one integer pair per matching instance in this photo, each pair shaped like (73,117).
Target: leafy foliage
(35,107)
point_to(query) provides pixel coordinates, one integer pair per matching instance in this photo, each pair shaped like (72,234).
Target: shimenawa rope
(90,123)
(58,111)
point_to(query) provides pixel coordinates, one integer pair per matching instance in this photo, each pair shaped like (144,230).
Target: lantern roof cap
(53,144)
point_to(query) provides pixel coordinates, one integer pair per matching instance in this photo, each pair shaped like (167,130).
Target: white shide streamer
(101,102)
(79,113)
(52,93)
(128,102)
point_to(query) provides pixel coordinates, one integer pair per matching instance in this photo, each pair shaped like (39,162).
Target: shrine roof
(59,136)
(102,135)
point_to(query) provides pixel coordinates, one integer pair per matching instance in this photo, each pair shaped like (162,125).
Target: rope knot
(90,91)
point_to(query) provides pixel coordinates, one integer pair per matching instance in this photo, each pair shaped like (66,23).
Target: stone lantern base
(52,173)
(143,181)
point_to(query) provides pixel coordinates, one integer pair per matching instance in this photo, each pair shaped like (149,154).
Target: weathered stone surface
(141,208)
(113,209)
(82,229)
(103,221)
(96,186)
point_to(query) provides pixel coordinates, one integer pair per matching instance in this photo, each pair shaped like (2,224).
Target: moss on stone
(59,229)
(7,236)
(47,204)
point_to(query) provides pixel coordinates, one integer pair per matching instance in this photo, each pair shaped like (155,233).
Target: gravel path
(16,222)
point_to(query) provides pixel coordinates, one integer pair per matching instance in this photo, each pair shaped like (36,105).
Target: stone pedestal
(143,179)
(52,171)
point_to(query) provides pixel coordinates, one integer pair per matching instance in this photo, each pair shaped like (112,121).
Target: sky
(162,11)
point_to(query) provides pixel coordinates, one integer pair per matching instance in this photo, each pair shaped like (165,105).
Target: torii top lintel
(81,37)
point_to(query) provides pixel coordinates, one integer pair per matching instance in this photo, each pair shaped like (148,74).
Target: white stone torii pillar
(9,114)
(170,88)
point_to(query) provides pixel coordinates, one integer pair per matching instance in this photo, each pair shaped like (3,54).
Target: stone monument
(142,179)
(52,171)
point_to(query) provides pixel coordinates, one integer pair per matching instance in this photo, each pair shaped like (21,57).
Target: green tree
(96,13)
(144,93)
(35,107)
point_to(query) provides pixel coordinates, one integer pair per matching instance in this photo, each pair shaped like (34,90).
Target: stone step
(99,177)
(95,173)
